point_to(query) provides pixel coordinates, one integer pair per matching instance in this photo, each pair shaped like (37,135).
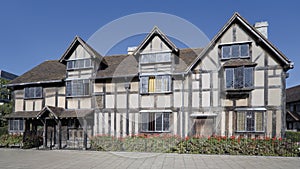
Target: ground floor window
(250,121)
(16,125)
(155,122)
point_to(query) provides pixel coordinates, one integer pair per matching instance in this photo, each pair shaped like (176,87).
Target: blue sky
(35,31)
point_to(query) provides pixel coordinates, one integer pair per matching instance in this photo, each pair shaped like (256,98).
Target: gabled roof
(78,41)
(237,18)
(127,65)
(54,111)
(156,32)
(48,71)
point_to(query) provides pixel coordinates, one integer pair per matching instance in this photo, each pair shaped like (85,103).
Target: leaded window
(156,57)
(78,64)
(155,122)
(250,121)
(235,51)
(33,92)
(152,84)
(16,125)
(78,87)
(239,77)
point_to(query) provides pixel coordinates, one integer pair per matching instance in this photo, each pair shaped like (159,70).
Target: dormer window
(79,64)
(156,57)
(240,50)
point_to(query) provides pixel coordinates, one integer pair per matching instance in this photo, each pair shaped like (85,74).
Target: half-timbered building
(233,86)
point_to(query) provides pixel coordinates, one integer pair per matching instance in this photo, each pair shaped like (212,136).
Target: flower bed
(195,145)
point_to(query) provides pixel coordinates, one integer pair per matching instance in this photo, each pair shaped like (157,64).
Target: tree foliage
(5,103)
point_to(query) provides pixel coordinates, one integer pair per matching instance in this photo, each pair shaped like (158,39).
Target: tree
(5,103)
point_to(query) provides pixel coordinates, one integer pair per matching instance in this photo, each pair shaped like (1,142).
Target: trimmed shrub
(293,136)
(8,140)
(3,130)
(32,140)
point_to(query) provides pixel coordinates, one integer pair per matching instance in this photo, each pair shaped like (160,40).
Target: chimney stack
(130,50)
(262,27)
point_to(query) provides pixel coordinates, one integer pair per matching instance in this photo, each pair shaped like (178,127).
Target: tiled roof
(293,94)
(44,72)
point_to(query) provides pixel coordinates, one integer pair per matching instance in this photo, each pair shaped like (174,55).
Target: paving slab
(67,159)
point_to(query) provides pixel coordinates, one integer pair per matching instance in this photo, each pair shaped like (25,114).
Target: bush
(32,140)
(8,140)
(3,130)
(293,136)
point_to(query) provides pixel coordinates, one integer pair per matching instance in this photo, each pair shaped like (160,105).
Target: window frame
(79,89)
(255,124)
(75,64)
(152,126)
(31,92)
(237,84)
(158,80)
(16,125)
(231,46)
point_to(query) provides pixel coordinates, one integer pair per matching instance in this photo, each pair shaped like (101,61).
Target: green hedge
(293,136)
(212,145)
(3,130)
(138,143)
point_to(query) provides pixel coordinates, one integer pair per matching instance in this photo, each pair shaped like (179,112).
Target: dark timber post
(59,133)
(45,134)
(127,87)
(84,134)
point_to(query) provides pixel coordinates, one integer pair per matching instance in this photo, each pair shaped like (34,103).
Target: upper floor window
(77,64)
(250,121)
(152,84)
(155,122)
(156,57)
(33,92)
(239,77)
(78,87)
(235,51)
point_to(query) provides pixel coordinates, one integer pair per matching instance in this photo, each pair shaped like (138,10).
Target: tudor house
(233,86)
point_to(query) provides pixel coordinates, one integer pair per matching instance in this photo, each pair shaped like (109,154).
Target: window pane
(21,125)
(27,95)
(151,84)
(244,50)
(70,65)
(145,121)
(229,78)
(80,63)
(38,92)
(239,77)
(88,63)
(158,84)
(151,126)
(158,122)
(235,51)
(248,77)
(86,87)
(250,121)
(166,122)
(69,88)
(226,52)
(259,121)
(160,57)
(240,121)
(15,124)
(166,83)
(144,84)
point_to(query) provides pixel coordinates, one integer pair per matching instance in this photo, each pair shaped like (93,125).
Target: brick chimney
(262,27)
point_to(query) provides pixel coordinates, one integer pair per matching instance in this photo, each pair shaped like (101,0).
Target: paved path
(63,159)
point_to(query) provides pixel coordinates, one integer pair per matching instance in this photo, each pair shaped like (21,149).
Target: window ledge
(150,93)
(153,132)
(35,98)
(237,91)
(150,63)
(250,132)
(85,96)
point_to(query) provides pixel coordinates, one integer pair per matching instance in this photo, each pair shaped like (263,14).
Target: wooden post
(59,133)
(45,134)
(84,134)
